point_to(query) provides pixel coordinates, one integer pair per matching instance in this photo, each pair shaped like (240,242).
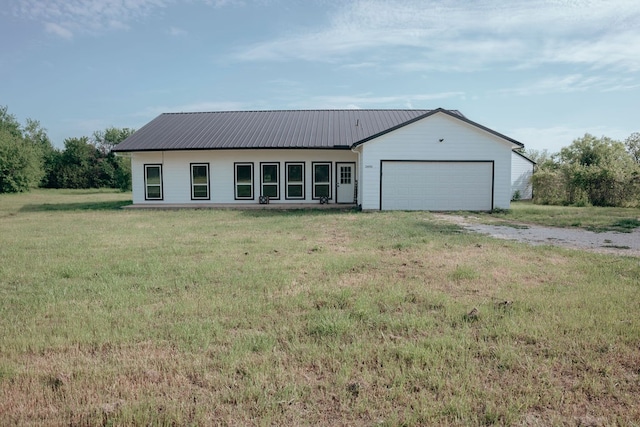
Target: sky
(543,72)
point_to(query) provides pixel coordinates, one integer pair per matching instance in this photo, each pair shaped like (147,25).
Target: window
(244,181)
(295,181)
(269,180)
(153,182)
(200,181)
(345,175)
(321,180)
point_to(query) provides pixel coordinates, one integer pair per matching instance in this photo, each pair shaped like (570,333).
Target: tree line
(591,171)
(28,159)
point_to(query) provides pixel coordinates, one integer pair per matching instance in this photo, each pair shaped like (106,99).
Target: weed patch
(625,225)
(462,273)
(594,218)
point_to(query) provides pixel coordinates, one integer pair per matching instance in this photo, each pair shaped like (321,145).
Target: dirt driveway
(576,238)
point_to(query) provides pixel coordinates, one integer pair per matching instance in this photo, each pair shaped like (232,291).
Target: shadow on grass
(83,206)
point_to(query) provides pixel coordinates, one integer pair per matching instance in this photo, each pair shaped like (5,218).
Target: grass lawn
(200,317)
(592,218)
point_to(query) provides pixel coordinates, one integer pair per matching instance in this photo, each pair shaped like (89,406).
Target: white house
(377,159)
(521,173)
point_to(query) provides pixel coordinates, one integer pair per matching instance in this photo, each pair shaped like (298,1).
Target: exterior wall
(521,173)
(421,141)
(176,173)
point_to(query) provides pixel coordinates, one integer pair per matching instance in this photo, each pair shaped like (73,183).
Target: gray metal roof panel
(268,129)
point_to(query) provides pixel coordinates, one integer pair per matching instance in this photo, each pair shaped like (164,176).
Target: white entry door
(345,182)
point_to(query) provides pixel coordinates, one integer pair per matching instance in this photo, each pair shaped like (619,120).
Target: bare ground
(576,238)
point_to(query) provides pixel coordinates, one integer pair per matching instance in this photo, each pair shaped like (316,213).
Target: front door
(345,182)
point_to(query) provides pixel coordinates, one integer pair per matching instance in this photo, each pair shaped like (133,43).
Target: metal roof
(319,129)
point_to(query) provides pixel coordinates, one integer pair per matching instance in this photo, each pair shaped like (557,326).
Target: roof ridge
(300,110)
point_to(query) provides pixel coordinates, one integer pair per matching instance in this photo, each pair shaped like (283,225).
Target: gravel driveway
(577,238)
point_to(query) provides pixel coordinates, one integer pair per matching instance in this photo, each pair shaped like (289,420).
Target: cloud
(618,50)
(572,83)
(64,17)
(361,65)
(466,35)
(222,3)
(58,30)
(177,32)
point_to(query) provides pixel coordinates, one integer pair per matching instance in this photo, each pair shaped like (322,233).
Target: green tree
(37,136)
(115,170)
(19,164)
(20,158)
(633,146)
(107,139)
(52,165)
(76,163)
(9,123)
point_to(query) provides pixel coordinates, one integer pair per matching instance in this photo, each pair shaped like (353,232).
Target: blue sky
(541,72)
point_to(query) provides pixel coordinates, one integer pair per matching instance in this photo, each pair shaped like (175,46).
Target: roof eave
(150,150)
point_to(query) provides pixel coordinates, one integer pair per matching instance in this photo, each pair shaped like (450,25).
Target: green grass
(200,317)
(592,218)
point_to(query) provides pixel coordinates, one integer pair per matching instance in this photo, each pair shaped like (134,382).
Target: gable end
(455,115)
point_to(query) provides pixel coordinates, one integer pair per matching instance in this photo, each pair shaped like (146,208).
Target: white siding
(421,141)
(176,172)
(521,173)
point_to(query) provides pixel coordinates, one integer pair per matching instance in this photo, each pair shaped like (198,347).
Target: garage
(437,185)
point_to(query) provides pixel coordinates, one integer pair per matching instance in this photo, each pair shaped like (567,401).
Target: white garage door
(437,186)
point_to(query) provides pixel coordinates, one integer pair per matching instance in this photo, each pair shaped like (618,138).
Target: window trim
(314,183)
(146,185)
(208,184)
(277,183)
(235,180)
(286,181)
